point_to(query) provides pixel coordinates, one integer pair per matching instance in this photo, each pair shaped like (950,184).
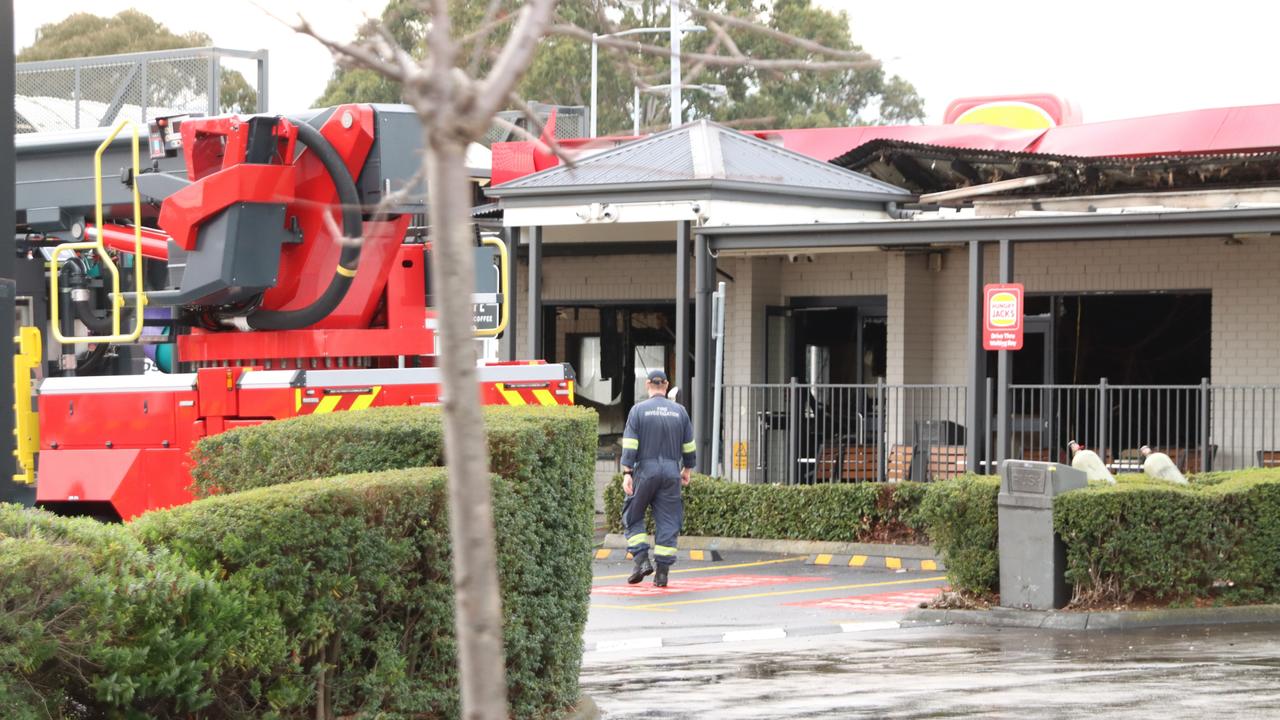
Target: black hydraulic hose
(77,280)
(348,261)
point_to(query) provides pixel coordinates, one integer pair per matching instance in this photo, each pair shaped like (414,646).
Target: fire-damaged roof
(924,169)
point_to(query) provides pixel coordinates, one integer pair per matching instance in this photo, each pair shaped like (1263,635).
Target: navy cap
(657,376)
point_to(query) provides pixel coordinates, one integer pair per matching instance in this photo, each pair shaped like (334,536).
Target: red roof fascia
(827,143)
(1198,132)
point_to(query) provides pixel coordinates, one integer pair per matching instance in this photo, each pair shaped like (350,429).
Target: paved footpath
(747,597)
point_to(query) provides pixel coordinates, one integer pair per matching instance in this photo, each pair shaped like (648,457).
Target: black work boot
(644,567)
(660,579)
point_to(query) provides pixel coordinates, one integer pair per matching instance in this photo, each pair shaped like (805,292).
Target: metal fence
(805,433)
(572,121)
(798,433)
(1201,427)
(58,95)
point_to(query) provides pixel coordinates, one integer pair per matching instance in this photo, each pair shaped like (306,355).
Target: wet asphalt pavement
(881,671)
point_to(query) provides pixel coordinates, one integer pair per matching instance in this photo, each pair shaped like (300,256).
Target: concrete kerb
(1097,621)
(906,556)
(586,709)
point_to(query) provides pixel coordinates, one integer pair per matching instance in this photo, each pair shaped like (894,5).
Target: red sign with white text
(1002,317)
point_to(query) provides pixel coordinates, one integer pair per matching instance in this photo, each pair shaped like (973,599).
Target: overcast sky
(1115,58)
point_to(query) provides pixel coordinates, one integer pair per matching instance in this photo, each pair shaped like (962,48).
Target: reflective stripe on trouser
(656,483)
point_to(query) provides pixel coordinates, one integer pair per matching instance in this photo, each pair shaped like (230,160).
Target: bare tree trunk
(478,612)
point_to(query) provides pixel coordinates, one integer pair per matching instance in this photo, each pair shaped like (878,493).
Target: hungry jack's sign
(1002,317)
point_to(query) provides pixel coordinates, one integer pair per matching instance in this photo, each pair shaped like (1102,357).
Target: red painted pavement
(699,584)
(880,602)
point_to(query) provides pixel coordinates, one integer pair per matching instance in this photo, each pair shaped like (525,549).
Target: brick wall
(860,273)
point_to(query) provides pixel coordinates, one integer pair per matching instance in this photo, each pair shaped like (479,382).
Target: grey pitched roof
(701,153)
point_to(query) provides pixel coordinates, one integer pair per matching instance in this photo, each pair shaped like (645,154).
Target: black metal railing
(805,433)
(1201,427)
(797,433)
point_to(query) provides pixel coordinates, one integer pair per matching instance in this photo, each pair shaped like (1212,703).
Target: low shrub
(858,512)
(961,520)
(95,624)
(543,508)
(522,440)
(322,598)
(1140,540)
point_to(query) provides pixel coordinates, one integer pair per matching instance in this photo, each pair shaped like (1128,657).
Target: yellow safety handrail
(26,422)
(504,271)
(117,300)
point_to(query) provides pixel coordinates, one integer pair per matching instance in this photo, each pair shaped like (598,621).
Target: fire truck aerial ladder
(228,264)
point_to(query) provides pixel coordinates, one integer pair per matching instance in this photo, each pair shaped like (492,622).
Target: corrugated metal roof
(702,151)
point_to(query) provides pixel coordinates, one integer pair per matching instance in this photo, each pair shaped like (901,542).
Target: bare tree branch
(514,59)
(796,41)
(550,145)
(724,37)
(361,54)
(717,60)
(478,36)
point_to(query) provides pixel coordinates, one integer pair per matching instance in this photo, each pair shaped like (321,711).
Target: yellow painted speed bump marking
(893,563)
(857,561)
(777,593)
(602,554)
(822,559)
(928,565)
(715,568)
(695,555)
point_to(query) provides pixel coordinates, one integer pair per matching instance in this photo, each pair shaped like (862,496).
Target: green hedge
(858,512)
(328,593)
(94,624)
(547,457)
(960,515)
(1218,538)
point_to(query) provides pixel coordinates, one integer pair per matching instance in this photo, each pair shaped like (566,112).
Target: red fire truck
(276,266)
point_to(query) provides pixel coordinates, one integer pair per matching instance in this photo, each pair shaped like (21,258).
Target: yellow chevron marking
(512,397)
(545,397)
(297,399)
(328,404)
(857,561)
(365,400)
(822,559)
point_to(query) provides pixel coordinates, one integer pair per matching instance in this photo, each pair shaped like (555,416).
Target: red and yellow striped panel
(530,394)
(335,401)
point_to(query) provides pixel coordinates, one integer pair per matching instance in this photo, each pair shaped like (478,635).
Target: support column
(9,491)
(680,373)
(705,274)
(534,343)
(976,413)
(1004,371)
(510,338)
